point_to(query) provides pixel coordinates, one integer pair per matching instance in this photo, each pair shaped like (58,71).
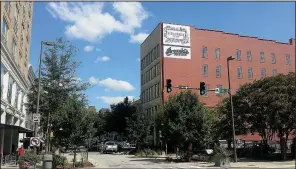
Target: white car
(110,146)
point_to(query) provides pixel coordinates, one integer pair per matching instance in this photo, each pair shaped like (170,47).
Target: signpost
(36,118)
(35,141)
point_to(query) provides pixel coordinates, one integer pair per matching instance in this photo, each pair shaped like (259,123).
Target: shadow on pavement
(152,160)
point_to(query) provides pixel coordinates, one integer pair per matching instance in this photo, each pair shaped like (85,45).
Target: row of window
(151,93)
(239,72)
(249,56)
(150,112)
(150,74)
(11,81)
(150,57)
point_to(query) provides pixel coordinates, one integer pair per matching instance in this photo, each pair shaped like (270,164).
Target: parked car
(110,146)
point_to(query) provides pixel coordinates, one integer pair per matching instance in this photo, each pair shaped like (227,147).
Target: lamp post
(39,83)
(231,103)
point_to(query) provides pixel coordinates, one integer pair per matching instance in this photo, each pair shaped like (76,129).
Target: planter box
(222,161)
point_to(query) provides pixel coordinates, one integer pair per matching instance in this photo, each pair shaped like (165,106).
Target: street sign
(222,90)
(183,87)
(35,141)
(36,118)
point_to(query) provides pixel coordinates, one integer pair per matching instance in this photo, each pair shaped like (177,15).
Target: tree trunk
(229,144)
(189,148)
(283,145)
(74,160)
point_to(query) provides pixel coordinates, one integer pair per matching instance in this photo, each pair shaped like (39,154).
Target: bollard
(47,161)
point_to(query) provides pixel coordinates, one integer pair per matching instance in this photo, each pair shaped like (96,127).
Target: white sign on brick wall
(176,52)
(178,35)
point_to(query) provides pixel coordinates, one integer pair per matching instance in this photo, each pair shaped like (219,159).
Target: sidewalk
(269,164)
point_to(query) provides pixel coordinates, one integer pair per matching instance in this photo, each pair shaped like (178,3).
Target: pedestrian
(20,152)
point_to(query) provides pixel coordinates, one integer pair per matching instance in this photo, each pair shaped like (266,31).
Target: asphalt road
(128,161)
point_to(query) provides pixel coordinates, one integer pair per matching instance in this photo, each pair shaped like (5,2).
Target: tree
(116,119)
(267,106)
(139,129)
(186,120)
(59,85)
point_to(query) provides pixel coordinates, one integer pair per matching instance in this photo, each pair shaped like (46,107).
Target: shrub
(30,157)
(59,161)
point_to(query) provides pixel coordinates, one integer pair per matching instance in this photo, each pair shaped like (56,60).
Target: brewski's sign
(177,52)
(177,35)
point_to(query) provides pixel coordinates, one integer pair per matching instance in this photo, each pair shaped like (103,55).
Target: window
(273,60)
(153,92)
(2,78)
(9,91)
(274,72)
(158,68)
(13,47)
(150,94)
(22,103)
(142,81)
(217,52)
(250,73)
(17,92)
(205,70)
(263,73)
(239,72)
(218,71)
(204,52)
(206,91)
(262,59)
(249,55)
(4,30)
(238,55)
(288,60)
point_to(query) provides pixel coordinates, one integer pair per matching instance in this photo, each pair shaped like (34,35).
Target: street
(130,161)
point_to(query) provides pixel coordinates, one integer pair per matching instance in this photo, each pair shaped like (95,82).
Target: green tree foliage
(116,119)
(267,106)
(186,121)
(139,129)
(60,92)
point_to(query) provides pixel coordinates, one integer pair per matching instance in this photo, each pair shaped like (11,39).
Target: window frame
(217,53)
(264,73)
(274,72)
(262,57)
(205,73)
(238,55)
(288,59)
(249,55)
(218,67)
(250,72)
(241,72)
(204,52)
(273,59)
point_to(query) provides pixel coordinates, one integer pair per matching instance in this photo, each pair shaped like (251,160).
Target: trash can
(47,161)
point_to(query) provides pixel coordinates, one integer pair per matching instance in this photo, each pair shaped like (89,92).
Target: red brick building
(188,55)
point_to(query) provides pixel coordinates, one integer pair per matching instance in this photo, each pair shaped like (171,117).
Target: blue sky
(108,35)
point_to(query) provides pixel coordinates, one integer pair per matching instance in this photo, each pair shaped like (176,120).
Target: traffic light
(202,88)
(169,85)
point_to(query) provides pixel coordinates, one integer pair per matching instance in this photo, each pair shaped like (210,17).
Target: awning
(19,128)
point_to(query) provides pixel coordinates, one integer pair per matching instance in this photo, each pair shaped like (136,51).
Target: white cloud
(112,84)
(114,100)
(93,81)
(87,21)
(88,48)
(116,85)
(102,59)
(138,38)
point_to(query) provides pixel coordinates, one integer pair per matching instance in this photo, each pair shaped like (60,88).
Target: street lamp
(231,103)
(39,82)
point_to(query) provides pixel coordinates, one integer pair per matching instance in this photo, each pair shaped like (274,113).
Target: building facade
(16,26)
(188,55)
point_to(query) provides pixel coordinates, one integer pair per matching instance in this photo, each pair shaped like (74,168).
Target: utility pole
(232,110)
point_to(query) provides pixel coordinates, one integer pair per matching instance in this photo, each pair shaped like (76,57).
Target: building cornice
(14,66)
